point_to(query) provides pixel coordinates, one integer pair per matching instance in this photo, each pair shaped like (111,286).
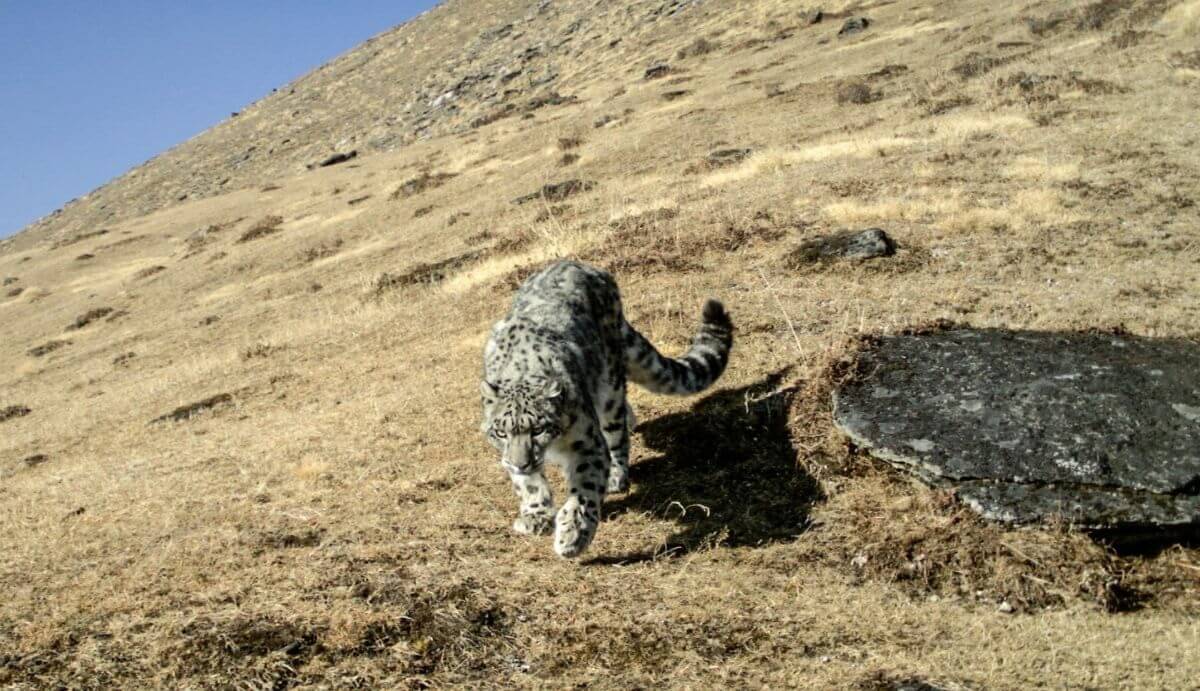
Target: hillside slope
(239,399)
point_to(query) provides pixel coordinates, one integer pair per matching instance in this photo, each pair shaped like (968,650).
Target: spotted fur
(553,391)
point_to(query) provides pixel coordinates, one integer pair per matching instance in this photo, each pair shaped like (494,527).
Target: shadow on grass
(725,471)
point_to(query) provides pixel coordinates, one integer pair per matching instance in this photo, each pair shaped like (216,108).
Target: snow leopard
(553,389)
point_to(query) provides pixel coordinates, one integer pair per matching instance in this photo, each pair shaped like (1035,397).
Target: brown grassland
(250,456)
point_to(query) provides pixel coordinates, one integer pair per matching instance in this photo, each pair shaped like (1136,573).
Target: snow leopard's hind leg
(586,468)
(613,409)
(536,515)
(616,425)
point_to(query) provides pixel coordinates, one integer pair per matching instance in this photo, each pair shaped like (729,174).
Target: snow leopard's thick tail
(699,367)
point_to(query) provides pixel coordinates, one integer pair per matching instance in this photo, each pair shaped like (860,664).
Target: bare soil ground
(240,445)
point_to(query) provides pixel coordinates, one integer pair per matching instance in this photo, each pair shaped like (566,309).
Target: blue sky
(89,89)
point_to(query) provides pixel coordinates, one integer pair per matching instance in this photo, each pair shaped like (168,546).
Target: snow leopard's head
(521,420)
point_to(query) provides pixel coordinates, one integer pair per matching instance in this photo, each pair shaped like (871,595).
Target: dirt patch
(268,225)
(124,359)
(425,273)
(47,348)
(13,411)
(186,412)
(423,211)
(422,183)
(89,317)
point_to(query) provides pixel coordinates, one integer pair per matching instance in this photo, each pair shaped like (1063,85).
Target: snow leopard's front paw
(532,524)
(618,482)
(574,529)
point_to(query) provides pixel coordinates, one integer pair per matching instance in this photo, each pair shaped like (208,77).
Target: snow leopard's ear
(488,389)
(552,389)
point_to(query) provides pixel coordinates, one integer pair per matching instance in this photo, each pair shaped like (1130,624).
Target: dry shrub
(881,525)
(47,348)
(402,631)
(635,244)
(89,317)
(78,238)
(922,539)
(1189,60)
(186,412)
(557,191)
(261,349)
(201,237)
(568,143)
(698,47)
(857,93)
(938,107)
(321,251)
(424,273)
(268,225)
(976,64)
(13,411)
(513,279)
(421,183)
(721,158)
(149,271)
(1042,26)
(1097,15)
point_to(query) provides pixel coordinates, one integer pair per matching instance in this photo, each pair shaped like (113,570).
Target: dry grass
(326,515)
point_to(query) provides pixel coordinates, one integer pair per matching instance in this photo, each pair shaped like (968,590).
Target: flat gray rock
(1102,430)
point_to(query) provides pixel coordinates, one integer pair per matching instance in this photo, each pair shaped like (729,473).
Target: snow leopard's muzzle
(522,455)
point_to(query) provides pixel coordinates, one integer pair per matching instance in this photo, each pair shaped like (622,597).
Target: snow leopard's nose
(519,455)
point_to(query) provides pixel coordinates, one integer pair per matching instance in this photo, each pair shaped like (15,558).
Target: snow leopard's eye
(499,434)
